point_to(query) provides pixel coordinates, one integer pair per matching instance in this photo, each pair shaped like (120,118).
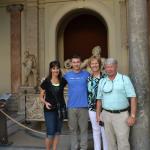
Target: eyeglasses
(108,86)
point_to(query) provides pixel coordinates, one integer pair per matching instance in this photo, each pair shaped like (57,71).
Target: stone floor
(25,140)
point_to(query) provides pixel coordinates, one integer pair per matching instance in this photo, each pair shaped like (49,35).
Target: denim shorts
(53,123)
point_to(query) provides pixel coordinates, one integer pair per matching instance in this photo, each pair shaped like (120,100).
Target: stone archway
(72,8)
(79,33)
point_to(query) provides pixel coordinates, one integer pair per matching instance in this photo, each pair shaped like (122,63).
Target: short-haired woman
(93,81)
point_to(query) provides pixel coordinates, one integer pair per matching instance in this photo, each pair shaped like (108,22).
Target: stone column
(41,40)
(123,20)
(31,32)
(139,71)
(15,13)
(148,10)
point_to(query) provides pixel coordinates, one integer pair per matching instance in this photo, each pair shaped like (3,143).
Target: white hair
(110,61)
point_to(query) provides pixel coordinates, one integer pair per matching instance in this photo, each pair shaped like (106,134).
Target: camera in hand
(62,112)
(101,123)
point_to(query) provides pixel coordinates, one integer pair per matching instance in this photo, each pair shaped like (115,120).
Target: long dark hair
(53,64)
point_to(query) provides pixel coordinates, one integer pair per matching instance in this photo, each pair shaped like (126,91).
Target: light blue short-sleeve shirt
(115,93)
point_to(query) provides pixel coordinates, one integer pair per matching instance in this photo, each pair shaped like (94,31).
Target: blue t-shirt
(77,89)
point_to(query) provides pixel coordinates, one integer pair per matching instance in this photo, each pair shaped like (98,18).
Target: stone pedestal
(139,71)
(22,95)
(34,108)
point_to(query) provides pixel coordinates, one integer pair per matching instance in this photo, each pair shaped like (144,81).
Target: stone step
(12,104)
(12,127)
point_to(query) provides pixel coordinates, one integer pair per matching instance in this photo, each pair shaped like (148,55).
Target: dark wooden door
(82,34)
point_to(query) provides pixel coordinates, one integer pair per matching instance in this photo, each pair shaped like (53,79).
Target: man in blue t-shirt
(77,103)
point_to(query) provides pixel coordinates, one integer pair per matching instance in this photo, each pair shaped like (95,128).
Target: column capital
(122,1)
(15,7)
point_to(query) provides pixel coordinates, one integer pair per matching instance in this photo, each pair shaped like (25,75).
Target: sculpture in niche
(67,66)
(30,69)
(96,51)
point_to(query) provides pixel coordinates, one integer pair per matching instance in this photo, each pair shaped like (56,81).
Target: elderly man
(115,94)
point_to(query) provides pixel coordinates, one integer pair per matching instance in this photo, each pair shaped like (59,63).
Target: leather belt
(116,111)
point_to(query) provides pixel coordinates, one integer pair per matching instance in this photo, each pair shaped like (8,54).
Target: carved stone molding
(122,1)
(15,7)
(32,3)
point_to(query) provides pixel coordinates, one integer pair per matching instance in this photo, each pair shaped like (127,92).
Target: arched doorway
(82,33)
(79,33)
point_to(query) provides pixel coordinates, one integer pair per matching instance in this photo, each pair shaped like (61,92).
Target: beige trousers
(117,130)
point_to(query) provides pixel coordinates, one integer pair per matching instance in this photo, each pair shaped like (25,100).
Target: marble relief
(34,108)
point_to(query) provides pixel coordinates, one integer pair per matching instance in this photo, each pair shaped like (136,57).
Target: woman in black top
(51,94)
